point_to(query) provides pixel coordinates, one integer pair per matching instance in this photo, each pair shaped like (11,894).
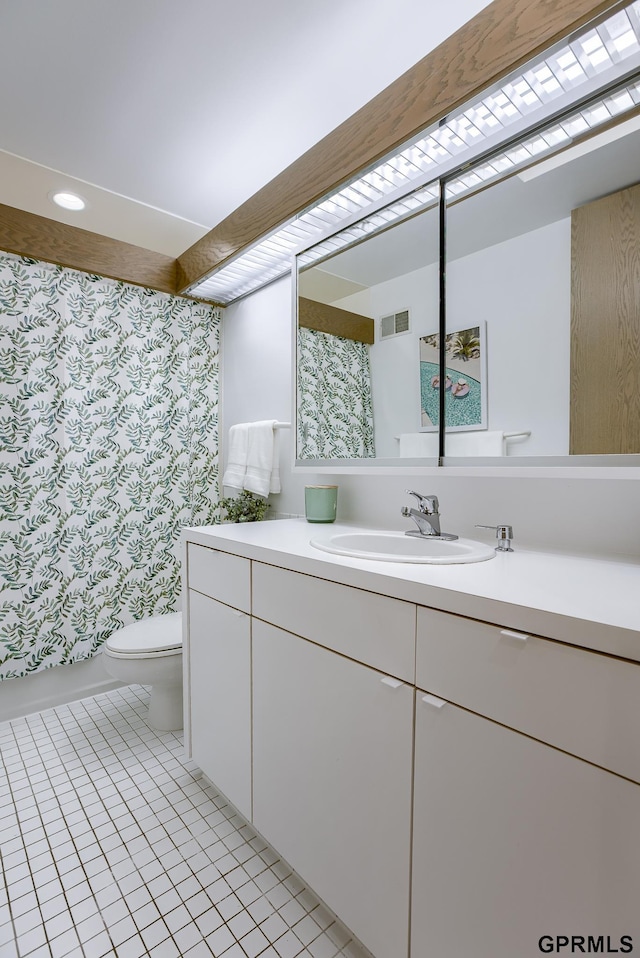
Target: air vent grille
(394,324)
(402,321)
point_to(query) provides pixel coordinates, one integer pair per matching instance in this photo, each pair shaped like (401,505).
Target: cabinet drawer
(220,575)
(370,628)
(582,702)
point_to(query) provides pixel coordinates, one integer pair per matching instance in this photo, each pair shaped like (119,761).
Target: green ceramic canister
(320,503)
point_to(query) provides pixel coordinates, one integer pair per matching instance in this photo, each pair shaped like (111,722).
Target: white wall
(521,289)
(257,380)
(395,378)
(570,515)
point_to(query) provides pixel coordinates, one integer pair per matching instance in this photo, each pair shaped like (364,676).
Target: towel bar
(508,435)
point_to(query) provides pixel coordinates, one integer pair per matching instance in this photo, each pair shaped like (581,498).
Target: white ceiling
(177,112)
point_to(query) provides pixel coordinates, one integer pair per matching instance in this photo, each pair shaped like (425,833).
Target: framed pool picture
(465,382)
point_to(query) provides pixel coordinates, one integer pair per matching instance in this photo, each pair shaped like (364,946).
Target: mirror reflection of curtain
(108,447)
(335,411)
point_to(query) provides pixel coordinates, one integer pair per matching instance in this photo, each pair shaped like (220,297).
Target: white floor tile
(307,930)
(178,918)
(220,941)
(241,924)
(115,846)
(288,946)
(187,936)
(29,941)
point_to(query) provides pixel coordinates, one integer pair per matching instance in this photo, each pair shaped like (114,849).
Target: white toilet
(149,652)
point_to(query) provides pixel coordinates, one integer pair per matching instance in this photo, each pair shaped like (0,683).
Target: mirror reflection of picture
(465,382)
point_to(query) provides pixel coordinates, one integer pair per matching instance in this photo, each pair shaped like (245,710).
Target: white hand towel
(479,443)
(418,445)
(274,485)
(236,470)
(260,457)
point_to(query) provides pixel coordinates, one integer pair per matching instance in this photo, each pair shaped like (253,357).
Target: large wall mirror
(540,358)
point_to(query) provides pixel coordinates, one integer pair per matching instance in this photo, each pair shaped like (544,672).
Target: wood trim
(605,325)
(38,237)
(338,322)
(499,39)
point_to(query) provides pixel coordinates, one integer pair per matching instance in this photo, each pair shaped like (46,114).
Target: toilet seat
(155,637)
(141,655)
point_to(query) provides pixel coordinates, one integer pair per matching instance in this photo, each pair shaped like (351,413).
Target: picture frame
(465,383)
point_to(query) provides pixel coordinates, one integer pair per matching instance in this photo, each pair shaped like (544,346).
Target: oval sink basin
(398,547)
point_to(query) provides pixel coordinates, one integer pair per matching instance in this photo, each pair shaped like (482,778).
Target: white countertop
(585,601)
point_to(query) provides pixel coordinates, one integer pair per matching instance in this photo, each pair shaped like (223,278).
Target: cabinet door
(332,780)
(220,696)
(515,840)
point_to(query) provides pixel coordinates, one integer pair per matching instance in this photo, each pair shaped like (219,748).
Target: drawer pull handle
(514,635)
(391,682)
(434,701)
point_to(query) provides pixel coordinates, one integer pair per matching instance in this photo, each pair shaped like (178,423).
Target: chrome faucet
(426,517)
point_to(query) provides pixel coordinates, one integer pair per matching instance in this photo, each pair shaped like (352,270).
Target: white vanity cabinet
(332,780)
(218,672)
(450,787)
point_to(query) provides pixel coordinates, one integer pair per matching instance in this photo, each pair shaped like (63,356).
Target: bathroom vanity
(448,755)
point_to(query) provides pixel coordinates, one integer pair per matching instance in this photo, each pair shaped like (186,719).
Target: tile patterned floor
(112,844)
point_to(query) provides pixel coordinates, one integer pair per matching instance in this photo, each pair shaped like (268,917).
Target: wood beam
(338,322)
(38,237)
(499,39)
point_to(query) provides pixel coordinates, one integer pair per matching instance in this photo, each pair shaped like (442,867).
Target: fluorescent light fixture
(587,61)
(581,149)
(68,201)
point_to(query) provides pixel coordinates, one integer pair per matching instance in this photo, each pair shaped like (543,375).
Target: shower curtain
(108,447)
(335,408)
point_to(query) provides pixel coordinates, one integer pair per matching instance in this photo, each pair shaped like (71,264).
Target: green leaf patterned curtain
(108,447)
(335,411)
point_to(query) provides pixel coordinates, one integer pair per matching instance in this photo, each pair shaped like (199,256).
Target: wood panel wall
(605,325)
(500,38)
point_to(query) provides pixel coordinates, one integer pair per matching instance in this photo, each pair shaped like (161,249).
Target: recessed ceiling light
(68,201)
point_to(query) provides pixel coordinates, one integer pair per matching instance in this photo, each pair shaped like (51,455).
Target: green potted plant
(245,507)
